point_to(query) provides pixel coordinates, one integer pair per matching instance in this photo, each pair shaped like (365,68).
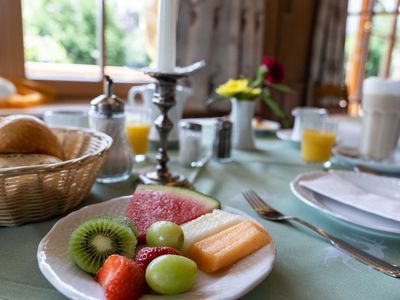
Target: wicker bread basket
(34,193)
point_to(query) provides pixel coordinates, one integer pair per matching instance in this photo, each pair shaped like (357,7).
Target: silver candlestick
(164,98)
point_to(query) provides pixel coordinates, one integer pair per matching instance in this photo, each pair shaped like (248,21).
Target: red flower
(275,72)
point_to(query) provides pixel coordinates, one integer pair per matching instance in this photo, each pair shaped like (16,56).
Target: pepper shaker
(222,140)
(107,114)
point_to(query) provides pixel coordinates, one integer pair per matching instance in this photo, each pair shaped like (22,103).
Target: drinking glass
(380,119)
(138,124)
(302,115)
(317,140)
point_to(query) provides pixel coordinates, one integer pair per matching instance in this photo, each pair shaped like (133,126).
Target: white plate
(265,126)
(363,220)
(66,277)
(202,121)
(286,135)
(391,165)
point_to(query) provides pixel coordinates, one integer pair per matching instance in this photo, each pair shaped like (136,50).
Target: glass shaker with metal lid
(190,150)
(107,114)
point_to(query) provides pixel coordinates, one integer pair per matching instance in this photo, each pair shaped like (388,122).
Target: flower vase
(242,130)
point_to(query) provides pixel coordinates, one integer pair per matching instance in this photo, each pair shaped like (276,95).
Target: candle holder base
(173,179)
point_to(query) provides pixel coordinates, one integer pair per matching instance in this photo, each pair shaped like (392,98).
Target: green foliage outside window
(64,31)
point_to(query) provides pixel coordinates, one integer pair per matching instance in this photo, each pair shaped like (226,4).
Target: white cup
(380,118)
(304,115)
(60,118)
(175,113)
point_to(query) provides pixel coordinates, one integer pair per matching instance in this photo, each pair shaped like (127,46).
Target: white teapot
(175,113)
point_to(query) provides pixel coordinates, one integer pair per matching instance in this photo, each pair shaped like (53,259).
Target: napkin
(344,191)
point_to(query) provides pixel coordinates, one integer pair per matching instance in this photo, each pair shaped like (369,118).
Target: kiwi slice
(96,239)
(125,221)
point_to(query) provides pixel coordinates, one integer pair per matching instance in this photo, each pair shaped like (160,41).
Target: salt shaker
(190,144)
(107,114)
(222,140)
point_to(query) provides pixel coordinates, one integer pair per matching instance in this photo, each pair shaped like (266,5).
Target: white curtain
(227,34)
(327,52)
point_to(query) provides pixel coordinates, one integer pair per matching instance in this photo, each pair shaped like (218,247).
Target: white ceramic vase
(242,130)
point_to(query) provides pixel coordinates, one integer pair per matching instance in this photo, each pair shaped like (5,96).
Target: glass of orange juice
(138,124)
(317,140)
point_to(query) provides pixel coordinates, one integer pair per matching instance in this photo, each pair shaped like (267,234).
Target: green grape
(165,234)
(171,274)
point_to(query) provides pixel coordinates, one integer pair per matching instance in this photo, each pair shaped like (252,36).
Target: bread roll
(21,134)
(19,160)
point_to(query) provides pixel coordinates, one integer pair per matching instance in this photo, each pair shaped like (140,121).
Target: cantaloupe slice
(207,225)
(228,246)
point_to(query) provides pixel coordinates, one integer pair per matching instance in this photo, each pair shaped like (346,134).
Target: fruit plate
(58,268)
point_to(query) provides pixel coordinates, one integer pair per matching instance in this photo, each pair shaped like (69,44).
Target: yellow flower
(232,87)
(238,87)
(251,93)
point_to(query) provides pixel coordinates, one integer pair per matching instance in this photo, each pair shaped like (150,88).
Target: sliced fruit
(171,274)
(207,225)
(228,246)
(125,221)
(165,234)
(122,278)
(152,203)
(94,240)
(147,254)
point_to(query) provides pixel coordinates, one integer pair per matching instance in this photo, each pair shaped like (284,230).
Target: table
(306,266)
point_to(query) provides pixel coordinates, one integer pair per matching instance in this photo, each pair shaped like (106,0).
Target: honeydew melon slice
(207,225)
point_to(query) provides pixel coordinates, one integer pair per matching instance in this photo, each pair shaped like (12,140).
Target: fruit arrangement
(150,204)
(178,232)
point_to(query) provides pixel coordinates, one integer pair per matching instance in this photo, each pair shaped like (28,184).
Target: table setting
(280,177)
(281,173)
(237,207)
(271,170)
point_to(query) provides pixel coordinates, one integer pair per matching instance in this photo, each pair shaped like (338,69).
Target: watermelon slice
(152,203)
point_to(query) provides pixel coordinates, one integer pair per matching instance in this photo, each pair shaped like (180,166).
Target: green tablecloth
(306,266)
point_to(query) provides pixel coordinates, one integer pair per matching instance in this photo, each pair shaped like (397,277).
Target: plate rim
(374,165)
(72,293)
(265,130)
(296,189)
(285,135)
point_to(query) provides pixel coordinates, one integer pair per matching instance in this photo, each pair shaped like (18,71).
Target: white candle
(166,35)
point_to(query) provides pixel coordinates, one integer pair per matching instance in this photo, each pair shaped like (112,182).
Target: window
(71,44)
(372,43)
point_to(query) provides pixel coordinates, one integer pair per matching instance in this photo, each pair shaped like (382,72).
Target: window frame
(12,61)
(359,53)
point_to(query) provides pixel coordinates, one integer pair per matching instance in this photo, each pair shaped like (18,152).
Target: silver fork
(267,212)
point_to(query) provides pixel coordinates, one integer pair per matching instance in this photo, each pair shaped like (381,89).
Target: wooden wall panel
(11,42)
(289,26)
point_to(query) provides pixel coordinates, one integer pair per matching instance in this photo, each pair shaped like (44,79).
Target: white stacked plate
(286,135)
(265,127)
(380,185)
(350,156)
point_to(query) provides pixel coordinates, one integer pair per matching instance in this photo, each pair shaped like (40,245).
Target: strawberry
(122,278)
(145,255)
